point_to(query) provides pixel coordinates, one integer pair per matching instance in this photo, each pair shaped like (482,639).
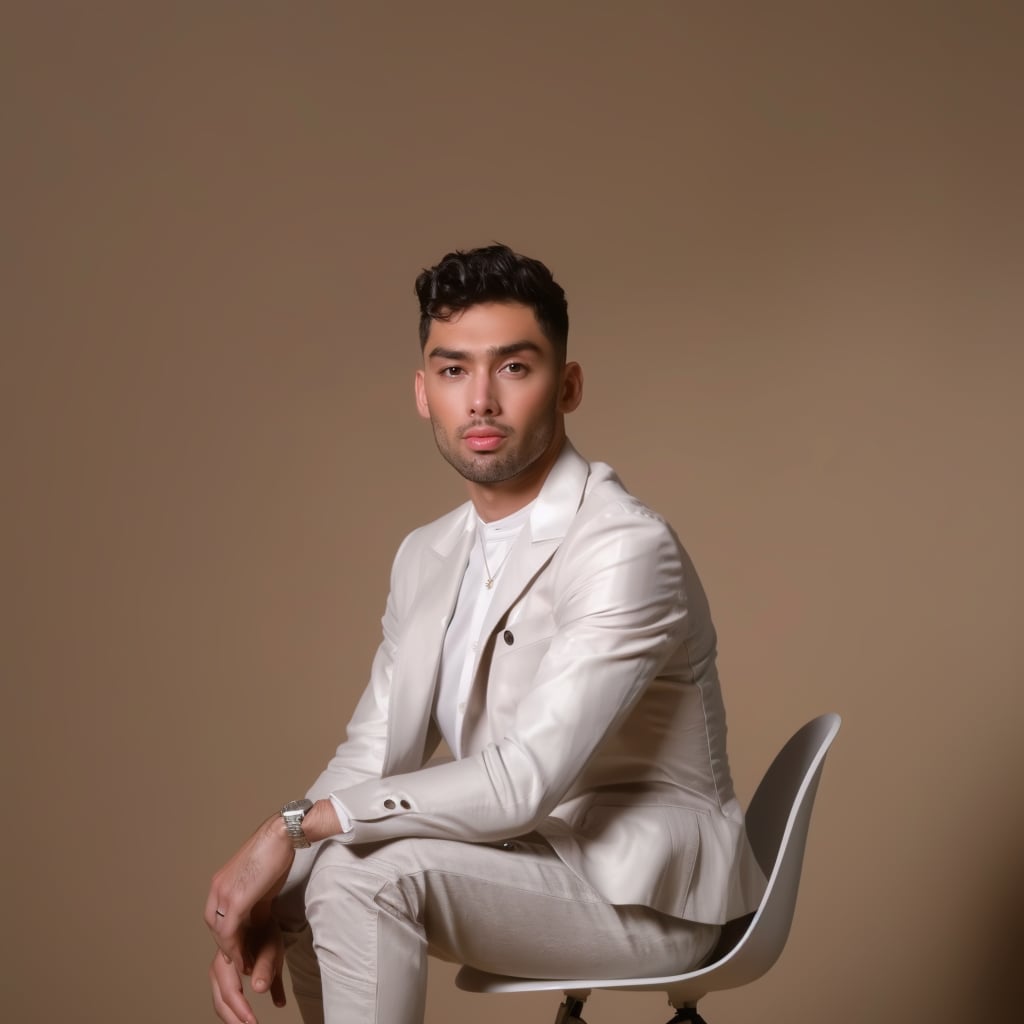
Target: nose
(483,400)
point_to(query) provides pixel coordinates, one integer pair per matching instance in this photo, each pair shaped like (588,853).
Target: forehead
(485,326)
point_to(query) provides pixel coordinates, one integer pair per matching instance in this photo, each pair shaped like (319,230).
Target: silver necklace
(491,576)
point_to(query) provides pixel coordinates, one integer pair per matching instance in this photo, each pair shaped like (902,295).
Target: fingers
(222,919)
(229,1002)
(277,990)
(233,951)
(266,970)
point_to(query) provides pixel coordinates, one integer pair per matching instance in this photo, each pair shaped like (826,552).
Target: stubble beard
(487,468)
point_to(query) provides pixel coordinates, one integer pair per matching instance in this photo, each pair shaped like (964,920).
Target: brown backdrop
(791,237)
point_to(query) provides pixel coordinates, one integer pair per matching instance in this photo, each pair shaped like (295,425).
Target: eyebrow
(512,349)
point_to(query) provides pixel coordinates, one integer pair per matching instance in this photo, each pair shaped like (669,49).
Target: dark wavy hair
(493,273)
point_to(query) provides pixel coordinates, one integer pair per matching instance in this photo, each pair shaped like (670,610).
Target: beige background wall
(791,237)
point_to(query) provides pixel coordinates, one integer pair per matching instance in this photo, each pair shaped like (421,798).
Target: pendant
(489,583)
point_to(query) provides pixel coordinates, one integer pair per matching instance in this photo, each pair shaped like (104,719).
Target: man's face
(495,393)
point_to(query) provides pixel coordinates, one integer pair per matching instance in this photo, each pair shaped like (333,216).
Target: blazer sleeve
(618,613)
(361,755)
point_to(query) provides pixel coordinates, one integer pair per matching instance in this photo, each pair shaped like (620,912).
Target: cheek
(442,411)
(540,407)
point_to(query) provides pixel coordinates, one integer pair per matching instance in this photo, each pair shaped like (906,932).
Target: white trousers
(376,912)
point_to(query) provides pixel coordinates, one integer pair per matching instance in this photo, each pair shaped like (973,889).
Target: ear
(571,393)
(421,395)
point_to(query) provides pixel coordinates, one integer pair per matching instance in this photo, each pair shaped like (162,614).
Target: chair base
(570,1011)
(687,1015)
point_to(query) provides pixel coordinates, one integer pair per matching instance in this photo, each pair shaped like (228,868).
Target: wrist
(321,821)
(273,828)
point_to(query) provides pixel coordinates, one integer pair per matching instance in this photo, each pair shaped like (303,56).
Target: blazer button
(508,637)
(389,804)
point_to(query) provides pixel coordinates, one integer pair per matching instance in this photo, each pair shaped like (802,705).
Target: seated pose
(554,634)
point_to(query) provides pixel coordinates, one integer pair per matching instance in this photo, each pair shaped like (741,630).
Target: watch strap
(293,814)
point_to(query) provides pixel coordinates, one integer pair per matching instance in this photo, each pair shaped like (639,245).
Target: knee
(384,878)
(338,873)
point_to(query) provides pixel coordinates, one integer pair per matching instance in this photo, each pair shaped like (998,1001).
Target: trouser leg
(303,968)
(304,971)
(376,912)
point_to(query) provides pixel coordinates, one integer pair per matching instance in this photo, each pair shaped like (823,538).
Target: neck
(495,501)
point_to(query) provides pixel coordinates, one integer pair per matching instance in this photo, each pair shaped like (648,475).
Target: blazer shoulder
(440,535)
(606,497)
(611,524)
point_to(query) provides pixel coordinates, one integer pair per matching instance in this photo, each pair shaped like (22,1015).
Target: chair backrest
(777,823)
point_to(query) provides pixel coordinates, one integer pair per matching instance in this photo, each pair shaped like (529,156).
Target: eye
(516,369)
(451,371)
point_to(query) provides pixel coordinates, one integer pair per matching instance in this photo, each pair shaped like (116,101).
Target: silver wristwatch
(293,813)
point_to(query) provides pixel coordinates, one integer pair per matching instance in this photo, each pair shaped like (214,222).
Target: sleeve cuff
(343,816)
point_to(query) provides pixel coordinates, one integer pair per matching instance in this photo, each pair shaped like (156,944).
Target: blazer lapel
(550,518)
(419,650)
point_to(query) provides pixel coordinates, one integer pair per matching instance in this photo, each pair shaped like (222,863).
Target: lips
(484,442)
(483,439)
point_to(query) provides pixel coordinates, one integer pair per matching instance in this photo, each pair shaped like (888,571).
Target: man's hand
(252,877)
(238,913)
(264,947)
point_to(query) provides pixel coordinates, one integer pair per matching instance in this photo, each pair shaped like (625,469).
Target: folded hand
(264,950)
(249,879)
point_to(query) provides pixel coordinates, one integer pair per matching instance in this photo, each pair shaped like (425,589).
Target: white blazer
(595,718)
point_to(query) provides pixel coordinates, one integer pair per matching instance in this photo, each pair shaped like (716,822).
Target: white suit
(595,720)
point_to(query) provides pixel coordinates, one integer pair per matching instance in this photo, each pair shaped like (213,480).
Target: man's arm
(621,611)
(238,907)
(360,756)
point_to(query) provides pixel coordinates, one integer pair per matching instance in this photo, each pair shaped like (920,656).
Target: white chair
(777,824)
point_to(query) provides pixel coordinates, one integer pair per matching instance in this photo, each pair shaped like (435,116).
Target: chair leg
(570,1011)
(687,1015)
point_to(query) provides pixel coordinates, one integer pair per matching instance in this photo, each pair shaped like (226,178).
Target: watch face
(297,808)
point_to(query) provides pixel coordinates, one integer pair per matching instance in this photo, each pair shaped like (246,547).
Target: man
(553,632)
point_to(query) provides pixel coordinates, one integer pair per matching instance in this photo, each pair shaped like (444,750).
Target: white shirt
(462,641)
